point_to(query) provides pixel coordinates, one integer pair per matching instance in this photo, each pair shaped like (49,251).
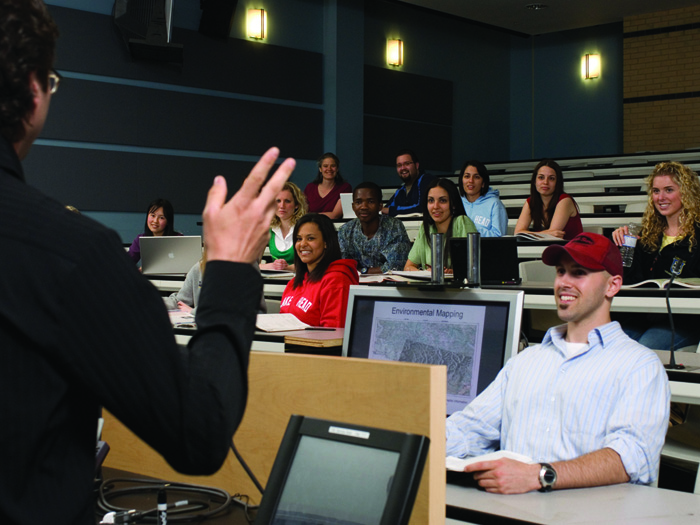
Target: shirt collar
(600,335)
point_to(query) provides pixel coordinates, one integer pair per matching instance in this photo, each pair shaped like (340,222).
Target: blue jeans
(654,330)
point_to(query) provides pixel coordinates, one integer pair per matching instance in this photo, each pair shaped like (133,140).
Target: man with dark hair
(80,328)
(376,242)
(409,198)
(589,404)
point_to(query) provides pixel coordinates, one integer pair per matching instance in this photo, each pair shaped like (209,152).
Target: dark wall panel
(404,110)
(89,111)
(119,181)
(383,137)
(407,96)
(90,43)
(97,123)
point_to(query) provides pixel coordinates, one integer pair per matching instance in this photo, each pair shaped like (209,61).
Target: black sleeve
(117,340)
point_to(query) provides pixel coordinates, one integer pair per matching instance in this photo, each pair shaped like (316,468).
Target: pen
(321,329)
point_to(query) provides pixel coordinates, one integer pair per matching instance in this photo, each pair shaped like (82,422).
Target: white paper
(458,464)
(279,323)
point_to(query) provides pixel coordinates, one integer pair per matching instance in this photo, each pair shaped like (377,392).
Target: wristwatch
(548,477)
(364,270)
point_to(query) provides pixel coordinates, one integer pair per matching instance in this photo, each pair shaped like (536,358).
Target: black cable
(246,468)
(180,511)
(676,269)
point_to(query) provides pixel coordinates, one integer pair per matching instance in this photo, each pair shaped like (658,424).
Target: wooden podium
(403,397)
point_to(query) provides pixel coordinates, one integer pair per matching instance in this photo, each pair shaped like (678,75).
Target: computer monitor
(330,472)
(472,331)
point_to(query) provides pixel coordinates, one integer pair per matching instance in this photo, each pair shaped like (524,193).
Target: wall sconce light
(394,52)
(257,23)
(590,66)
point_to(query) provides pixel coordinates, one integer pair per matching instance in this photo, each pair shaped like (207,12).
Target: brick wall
(661,78)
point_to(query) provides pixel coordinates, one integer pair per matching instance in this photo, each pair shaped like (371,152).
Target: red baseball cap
(590,250)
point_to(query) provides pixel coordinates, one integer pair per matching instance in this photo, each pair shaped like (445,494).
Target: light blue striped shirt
(552,408)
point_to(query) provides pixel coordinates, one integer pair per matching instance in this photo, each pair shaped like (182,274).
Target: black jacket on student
(657,264)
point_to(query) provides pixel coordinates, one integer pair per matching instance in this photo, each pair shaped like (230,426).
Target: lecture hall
(606,89)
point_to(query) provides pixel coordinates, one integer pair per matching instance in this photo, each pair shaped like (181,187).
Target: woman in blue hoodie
(481,203)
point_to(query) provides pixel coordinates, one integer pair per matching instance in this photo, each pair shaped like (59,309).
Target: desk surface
(234,515)
(615,504)
(279,341)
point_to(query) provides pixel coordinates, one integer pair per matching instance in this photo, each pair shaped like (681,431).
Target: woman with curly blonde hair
(291,206)
(670,229)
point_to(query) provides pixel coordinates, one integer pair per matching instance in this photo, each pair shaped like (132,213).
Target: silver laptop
(170,255)
(346,203)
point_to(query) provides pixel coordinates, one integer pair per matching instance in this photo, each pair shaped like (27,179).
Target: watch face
(548,477)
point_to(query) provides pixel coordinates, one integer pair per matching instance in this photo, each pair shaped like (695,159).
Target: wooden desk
(321,342)
(405,397)
(615,504)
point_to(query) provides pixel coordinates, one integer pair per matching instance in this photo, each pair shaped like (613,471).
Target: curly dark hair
(27,45)
(332,253)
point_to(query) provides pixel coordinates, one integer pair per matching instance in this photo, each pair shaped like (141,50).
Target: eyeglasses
(54,80)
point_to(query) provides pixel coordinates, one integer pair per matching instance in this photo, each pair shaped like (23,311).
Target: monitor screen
(472,331)
(328,472)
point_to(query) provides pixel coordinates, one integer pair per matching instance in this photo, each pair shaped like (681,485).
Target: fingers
(619,235)
(276,182)
(252,183)
(481,466)
(216,197)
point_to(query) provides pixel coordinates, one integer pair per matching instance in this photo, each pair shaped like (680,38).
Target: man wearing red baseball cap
(589,405)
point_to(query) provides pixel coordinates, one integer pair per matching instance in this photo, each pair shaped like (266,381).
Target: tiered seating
(610,191)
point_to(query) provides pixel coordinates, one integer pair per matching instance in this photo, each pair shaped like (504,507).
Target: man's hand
(238,230)
(506,476)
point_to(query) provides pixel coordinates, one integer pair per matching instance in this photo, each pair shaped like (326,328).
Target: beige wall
(662,65)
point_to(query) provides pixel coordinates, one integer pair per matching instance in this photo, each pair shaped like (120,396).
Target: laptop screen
(170,255)
(498,259)
(337,473)
(472,331)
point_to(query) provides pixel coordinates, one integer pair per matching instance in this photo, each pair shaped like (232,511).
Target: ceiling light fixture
(536,7)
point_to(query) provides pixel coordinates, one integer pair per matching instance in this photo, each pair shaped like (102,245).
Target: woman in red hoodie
(318,294)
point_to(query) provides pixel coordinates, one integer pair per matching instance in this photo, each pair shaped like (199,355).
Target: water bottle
(627,248)
(474,258)
(436,269)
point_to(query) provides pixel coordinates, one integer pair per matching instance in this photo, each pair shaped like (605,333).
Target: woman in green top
(291,206)
(443,212)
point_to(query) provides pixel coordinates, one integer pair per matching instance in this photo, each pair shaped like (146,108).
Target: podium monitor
(471,331)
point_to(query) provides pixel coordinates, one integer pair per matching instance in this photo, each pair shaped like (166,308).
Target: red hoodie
(325,302)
